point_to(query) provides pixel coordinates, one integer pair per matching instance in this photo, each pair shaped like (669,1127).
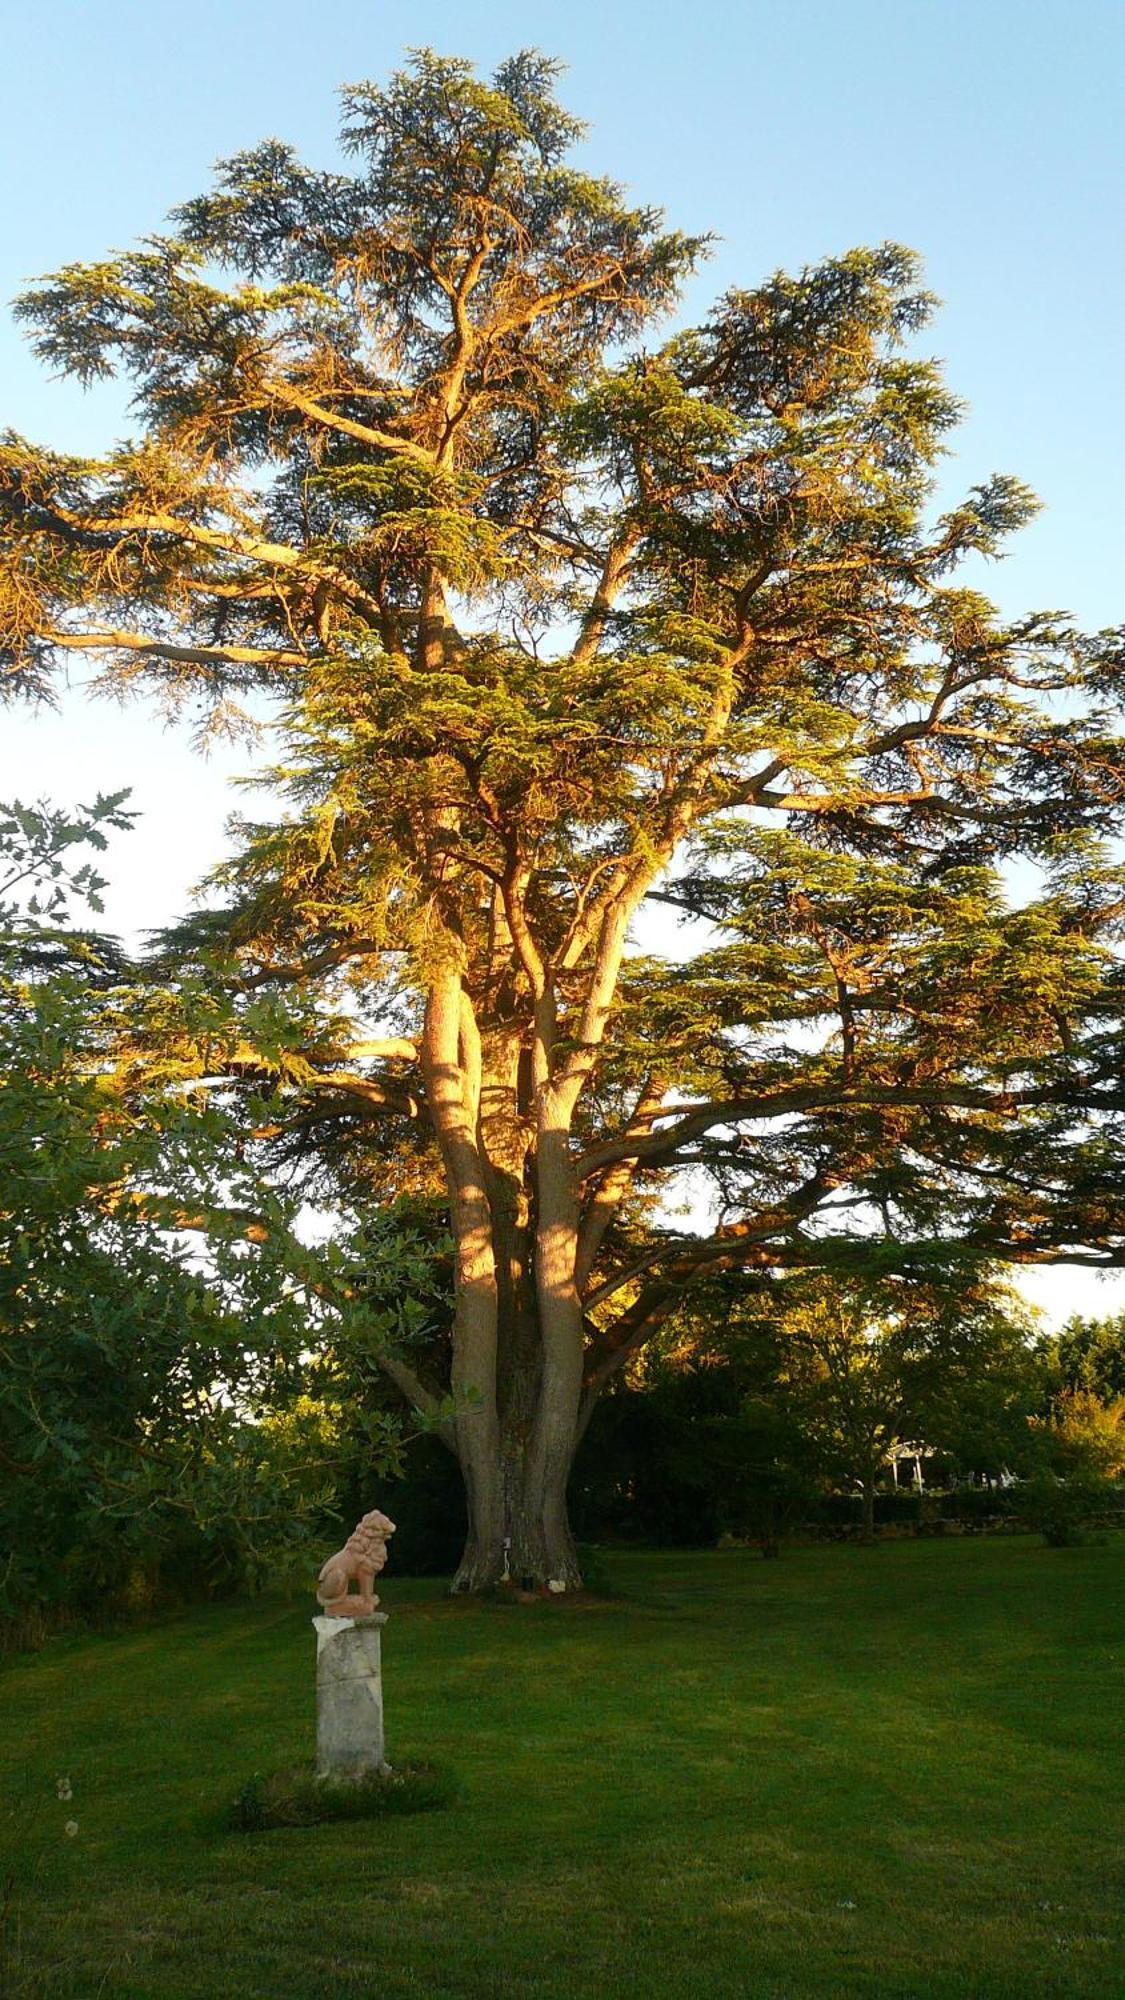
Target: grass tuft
(296,1797)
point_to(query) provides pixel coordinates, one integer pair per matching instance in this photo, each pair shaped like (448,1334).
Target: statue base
(349,1697)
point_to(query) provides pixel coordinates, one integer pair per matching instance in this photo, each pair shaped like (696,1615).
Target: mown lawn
(891,1773)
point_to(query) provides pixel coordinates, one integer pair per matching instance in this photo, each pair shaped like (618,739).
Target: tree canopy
(570,621)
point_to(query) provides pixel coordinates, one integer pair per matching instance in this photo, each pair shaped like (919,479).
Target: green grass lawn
(883,1773)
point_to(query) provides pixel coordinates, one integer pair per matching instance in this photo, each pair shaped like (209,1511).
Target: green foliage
(569,622)
(1063,1510)
(1090,1354)
(133,1371)
(702,1449)
(862,1364)
(125,1449)
(334,1421)
(771,1406)
(1090,1433)
(36,843)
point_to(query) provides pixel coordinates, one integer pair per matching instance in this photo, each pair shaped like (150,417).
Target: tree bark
(518,1338)
(518,1527)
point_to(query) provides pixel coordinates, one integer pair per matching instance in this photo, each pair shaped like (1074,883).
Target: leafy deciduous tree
(865,1365)
(129,1369)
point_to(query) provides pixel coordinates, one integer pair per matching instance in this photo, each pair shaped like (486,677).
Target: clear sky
(985,133)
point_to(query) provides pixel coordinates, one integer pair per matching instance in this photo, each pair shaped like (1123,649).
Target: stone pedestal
(349,1696)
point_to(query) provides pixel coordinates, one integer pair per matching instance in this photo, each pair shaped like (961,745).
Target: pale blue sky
(985,133)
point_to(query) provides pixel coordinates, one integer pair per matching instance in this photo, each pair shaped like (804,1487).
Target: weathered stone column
(349,1696)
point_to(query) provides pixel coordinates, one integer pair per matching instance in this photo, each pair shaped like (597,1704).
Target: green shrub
(1063,1510)
(894,1507)
(977,1505)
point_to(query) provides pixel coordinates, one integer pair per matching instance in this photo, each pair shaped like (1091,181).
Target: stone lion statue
(363,1555)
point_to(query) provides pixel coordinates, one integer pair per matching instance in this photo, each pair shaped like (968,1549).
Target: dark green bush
(977,1504)
(845,1510)
(1064,1510)
(697,1455)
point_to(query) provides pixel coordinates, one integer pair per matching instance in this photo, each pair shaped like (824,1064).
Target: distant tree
(571,626)
(334,1422)
(1091,1433)
(978,1404)
(702,1444)
(1079,1456)
(865,1365)
(1091,1355)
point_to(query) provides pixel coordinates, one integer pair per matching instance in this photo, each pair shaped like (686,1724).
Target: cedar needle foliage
(569,618)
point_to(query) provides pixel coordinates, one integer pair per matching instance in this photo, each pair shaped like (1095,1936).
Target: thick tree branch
(427,1401)
(730,1242)
(166,649)
(229,541)
(615,569)
(612,1187)
(287,394)
(665,1143)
